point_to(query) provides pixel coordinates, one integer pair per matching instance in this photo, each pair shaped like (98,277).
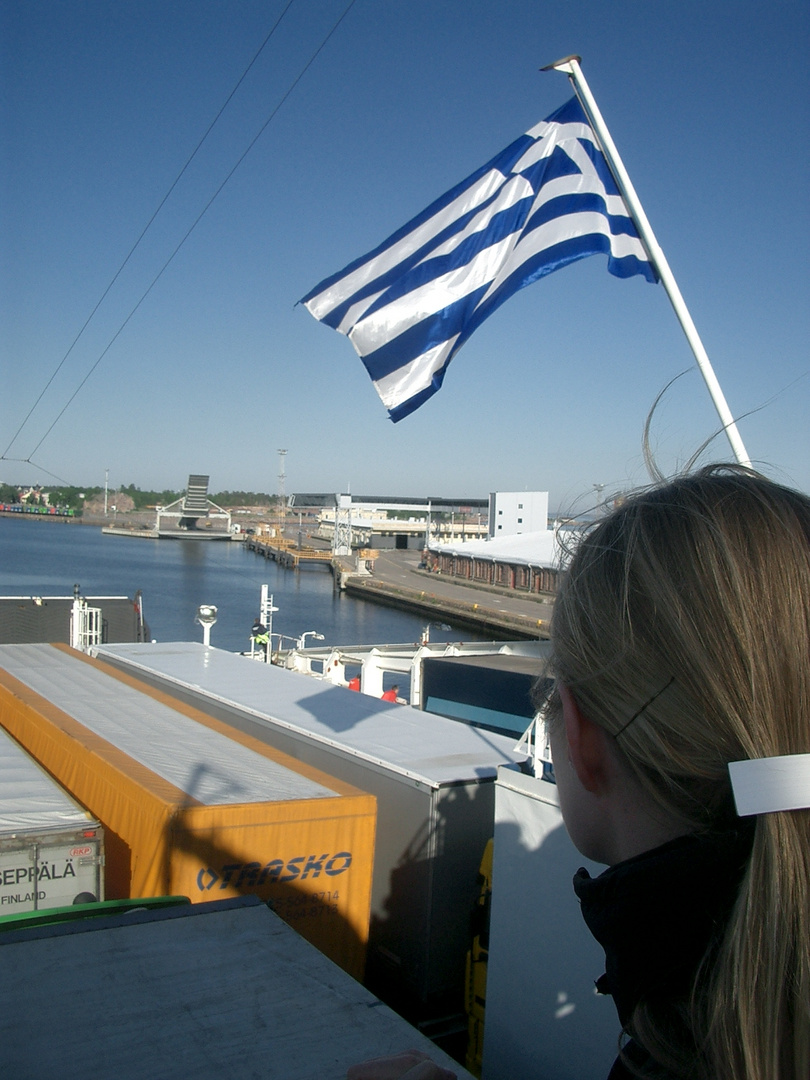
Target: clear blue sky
(103,103)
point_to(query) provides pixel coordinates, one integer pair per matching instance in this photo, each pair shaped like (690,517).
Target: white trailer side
(51,849)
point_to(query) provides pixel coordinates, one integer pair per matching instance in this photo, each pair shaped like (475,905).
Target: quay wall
(470,605)
(470,613)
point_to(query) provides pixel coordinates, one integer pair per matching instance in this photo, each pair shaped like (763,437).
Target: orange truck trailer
(190,806)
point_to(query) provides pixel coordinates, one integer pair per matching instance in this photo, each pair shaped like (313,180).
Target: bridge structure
(182,517)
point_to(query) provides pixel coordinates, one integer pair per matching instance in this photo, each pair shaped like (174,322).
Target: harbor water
(46,558)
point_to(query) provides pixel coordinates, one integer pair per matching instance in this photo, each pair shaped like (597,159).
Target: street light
(438,625)
(206,617)
(306,634)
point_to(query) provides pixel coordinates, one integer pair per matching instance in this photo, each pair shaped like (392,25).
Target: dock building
(393,521)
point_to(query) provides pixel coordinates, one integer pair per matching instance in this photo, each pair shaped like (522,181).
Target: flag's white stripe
(356,312)
(515,189)
(576,184)
(540,129)
(494,265)
(512,192)
(404,383)
(559,230)
(614,204)
(583,223)
(551,136)
(398,316)
(572,129)
(339,291)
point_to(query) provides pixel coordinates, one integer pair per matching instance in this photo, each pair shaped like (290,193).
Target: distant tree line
(74,498)
(226,499)
(148,499)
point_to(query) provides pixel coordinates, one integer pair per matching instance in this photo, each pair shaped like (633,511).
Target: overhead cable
(185,237)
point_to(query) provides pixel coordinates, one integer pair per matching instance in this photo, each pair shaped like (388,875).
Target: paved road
(400,568)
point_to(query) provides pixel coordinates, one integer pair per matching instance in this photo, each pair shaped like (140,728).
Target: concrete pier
(397,581)
(475,614)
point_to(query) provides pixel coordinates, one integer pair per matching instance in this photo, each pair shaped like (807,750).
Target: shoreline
(397,582)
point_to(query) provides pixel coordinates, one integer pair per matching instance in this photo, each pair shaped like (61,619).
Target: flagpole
(570,65)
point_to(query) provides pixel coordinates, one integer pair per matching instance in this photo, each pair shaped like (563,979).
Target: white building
(514,512)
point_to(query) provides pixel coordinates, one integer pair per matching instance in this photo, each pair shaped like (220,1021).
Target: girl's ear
(588,745)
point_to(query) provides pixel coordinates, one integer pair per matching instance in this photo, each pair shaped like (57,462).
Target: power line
(146,228)
(185,237)
(41,468)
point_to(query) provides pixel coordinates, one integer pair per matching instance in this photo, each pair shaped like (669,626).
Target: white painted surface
(421,746)
(544,1020)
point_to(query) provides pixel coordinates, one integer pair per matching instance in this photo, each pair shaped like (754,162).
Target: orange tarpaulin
(309,857)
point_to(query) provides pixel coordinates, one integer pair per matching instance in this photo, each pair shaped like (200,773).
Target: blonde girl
(682,647)
(680,733)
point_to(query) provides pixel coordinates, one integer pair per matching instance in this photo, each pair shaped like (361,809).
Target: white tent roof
(531,549)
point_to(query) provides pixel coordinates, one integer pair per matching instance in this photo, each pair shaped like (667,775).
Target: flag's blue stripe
(390,277)
(500,226)
(546,262)
(399,412)
(424,335)
(503,162)
(414,271)
(579,202)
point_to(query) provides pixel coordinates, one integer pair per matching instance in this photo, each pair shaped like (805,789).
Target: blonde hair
(683,628)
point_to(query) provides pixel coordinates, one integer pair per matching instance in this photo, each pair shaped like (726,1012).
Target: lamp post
(266,609)
(206,617)
(306,634)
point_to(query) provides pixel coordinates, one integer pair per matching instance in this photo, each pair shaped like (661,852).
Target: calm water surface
(45,558)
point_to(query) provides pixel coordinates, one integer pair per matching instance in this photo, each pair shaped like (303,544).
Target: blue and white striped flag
(409,305)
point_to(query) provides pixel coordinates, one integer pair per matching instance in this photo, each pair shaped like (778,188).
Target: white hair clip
(768,785)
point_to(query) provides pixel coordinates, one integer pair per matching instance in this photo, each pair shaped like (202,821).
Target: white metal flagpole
(570,65)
